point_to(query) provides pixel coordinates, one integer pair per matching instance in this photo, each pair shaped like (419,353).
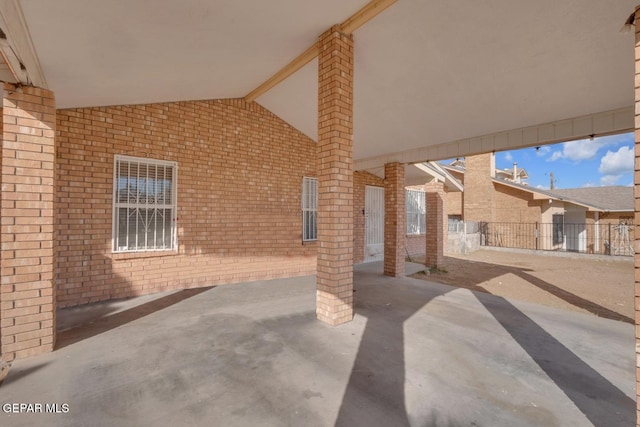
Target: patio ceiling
(426,72)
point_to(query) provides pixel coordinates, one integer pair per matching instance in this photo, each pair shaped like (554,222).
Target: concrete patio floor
(416,353)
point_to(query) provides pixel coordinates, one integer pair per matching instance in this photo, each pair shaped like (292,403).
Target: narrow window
(144,205)
(415,211)
(309,209)
(558,229)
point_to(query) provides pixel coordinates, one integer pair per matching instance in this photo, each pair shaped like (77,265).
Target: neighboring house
(594,220)
(418,179)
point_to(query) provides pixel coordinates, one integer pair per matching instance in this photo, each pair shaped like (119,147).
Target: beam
(302,60)
(355,21)
(364,15)
(583,127)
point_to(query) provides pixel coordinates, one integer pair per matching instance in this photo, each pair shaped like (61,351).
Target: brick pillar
(27,294)
(637,210)
(334,303)
(436,224)
(394,220)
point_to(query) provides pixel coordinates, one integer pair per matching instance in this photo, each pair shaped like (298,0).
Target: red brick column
(27,295)
(394,219)
(435,223)
(334,303)
(637,211)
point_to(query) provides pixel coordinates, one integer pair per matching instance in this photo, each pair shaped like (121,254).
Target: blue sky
(602,161)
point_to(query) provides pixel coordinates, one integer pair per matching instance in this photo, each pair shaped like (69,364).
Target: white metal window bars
(415,211)
(309,209)
(144,204)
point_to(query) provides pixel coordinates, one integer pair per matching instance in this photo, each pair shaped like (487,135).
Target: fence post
(609,240)
(536,234)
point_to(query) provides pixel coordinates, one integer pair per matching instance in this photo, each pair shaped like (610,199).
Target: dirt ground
(580,283)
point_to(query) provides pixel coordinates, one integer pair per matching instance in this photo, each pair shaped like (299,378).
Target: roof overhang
(542,195)
(433,80)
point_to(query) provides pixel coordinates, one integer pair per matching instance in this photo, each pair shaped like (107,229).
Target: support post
(27,287)
(637,208)
(394,220)
(334,299)
(436,232)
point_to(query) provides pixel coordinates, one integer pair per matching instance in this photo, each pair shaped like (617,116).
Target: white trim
(173,206)
(19,47)
(309,207)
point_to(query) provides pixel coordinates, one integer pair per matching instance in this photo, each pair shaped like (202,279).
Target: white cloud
(555,156)
(508,157)
(543,151)
(610,179)
(579,150)
(617,162)
(541,187)
(588,185)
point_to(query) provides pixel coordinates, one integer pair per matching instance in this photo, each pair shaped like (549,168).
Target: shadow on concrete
(481,275)
(375,393)
(17,375)
(597,398)
(105,323)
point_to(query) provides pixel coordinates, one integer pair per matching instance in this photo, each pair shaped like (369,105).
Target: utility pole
(551,184)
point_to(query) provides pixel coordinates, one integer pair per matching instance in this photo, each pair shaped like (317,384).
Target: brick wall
(478,197)
(454,202)
(394,220)
(27,294)
(436,235)
(240,172)
(360,181)
(334,283)
(415,245)
(513,205)
(636,193)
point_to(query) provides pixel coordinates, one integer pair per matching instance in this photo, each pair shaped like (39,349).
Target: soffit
(426,73)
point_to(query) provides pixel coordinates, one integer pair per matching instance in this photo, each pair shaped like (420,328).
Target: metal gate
(373,224)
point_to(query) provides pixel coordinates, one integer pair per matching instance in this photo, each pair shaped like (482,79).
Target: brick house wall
(453,202)
(513,205)
(479,191)
(240,171)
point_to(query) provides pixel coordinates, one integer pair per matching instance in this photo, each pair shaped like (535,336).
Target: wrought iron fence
(603,239)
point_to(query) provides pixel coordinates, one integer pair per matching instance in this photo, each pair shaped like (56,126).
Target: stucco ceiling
(426,72)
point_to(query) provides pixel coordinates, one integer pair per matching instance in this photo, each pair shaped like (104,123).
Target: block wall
(240,171)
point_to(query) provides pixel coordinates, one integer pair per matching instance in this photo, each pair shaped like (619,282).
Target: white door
(575,230)
(373,224)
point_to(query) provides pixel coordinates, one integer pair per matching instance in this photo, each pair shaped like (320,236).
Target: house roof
(542,71)
(600,199)
(612,198)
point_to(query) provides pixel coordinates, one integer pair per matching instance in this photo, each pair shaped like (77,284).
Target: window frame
(306,180)
(173,205)
(419,215)
(558,229)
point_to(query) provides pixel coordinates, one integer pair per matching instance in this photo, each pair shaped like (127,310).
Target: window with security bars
(144,205)
(415,211)
(309,209)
